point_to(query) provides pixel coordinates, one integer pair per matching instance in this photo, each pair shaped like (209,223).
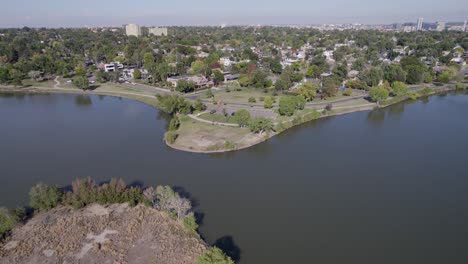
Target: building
(157,31)
(464,26)
(200,81)
(113,66)
(133,30)
(440,26)
(419,27)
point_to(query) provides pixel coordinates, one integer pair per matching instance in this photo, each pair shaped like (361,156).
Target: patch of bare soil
(96,234)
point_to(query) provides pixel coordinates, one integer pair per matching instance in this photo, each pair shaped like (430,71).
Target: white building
(157,31)
(113,66)
(133,30)
(440,26)
(420,24)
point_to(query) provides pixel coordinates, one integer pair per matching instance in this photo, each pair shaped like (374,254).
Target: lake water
(384,186)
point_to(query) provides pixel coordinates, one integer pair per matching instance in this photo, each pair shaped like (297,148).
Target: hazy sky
(78,13)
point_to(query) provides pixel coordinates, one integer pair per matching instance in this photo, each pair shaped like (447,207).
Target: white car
(69,81)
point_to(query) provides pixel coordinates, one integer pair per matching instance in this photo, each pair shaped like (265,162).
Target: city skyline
(53,13)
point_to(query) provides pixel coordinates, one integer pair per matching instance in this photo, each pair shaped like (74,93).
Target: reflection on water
(83,100)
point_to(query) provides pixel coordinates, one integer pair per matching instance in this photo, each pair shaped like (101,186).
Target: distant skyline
(62,13)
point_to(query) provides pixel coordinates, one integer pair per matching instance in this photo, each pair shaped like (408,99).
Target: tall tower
(420,24)
(464,26)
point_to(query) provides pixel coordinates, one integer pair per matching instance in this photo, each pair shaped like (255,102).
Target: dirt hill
(96,234)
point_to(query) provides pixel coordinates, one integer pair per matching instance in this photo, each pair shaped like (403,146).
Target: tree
(260,125)
(199,67)
(136,74)
(379,94)
(372,77)
(287,106)
(4,75)
(308,90)
(80,71)
(185,86)
(199,105)
(43,197)
(415,74)
(34,75)
(269,101)
(330,87)
(275,67)
(171,104)
(242,117)
(81,82)
(16,77)
(393,73)
(214,255)
(218,76)
(313,71)
(445,76)
(280,85)
(399,89)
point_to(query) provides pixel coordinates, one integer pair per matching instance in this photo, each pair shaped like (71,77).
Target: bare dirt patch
(96,234)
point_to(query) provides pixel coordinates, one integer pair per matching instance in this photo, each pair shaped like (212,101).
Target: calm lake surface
(385,186)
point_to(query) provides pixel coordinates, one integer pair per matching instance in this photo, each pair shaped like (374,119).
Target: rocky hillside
(97,234)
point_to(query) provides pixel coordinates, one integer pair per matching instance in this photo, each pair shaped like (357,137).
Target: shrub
(191,223)
(289,104)
(214,255)
(229,145)
(242,117)
(459,86)
(269,101)
(209,93)
(8,220)
(174,124)
(379,94)
(171,137)
(43,197)
(413,96)
(261,99)
(261,124)
(427,91)
(348,92)
(199,105)
(328,107)
(399,89)
(252,100)
(85,192)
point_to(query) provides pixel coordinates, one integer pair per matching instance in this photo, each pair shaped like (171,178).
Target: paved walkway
(196,117)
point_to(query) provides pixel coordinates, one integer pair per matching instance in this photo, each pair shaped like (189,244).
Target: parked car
(212,112)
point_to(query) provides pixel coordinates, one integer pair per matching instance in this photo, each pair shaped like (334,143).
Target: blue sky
(78,13)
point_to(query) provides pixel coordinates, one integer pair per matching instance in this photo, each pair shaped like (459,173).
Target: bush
(269,101)
(199,105)
(252,100)
(379,94)
(174,124)
(171,137)
(214,255)
(261,124)
(242,117)
(427,91)
(191,223)
(413,96)
(399,89)
(85,192)
(43,197)
(8,220)
(459,86)
(171,104)
(348,92)
(289,104)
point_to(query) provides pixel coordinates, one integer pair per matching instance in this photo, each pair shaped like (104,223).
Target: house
(200,81)
(459,61)
(226,62)
(202,55)
(113,66)
(231,77)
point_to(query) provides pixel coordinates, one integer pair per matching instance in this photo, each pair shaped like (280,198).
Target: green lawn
(218,118)
(242,97)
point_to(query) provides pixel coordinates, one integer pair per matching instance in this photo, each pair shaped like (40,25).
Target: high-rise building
(158,31)
(464,26)
(133,30)
(440,26)
(419,27)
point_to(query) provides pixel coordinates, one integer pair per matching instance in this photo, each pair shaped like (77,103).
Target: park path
(196,117)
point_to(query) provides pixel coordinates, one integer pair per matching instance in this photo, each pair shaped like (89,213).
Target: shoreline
(144,98)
